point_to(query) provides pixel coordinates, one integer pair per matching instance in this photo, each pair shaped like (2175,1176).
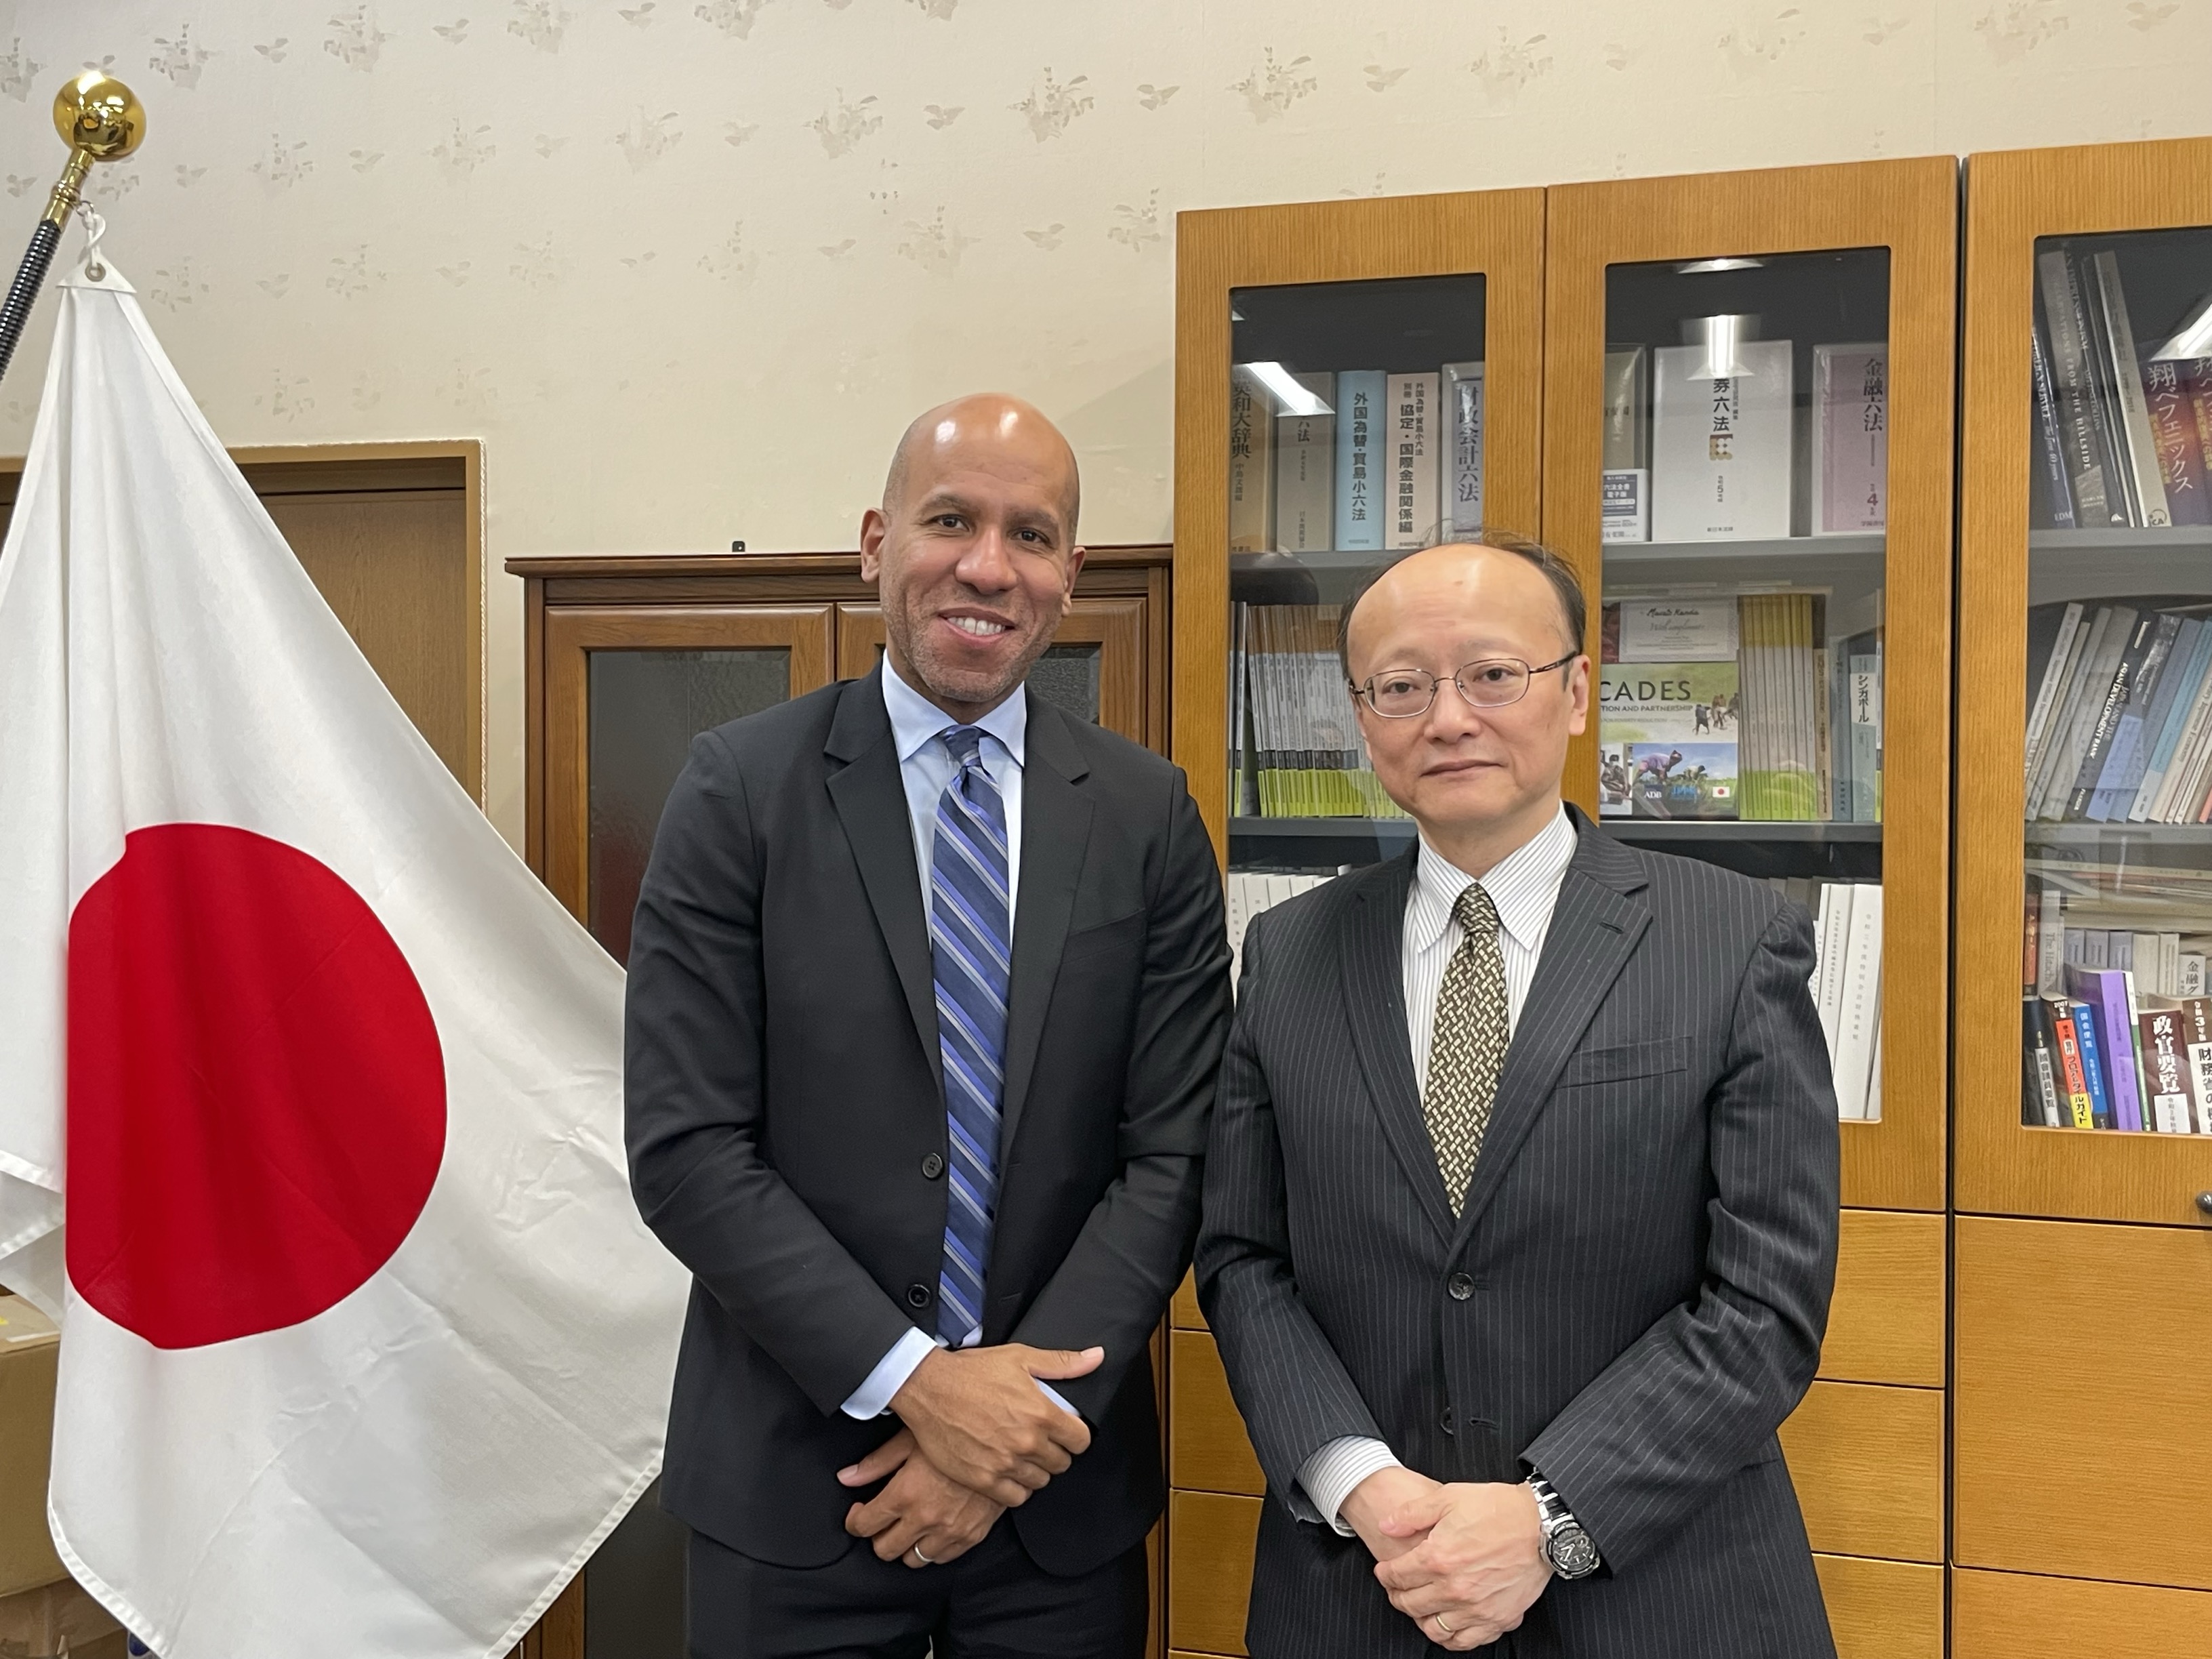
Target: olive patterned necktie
(1467,1045)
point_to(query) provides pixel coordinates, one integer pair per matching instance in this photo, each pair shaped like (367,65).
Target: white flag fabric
(364,1347)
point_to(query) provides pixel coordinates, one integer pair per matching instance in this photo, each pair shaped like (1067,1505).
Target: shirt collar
(916,719)
(1523,885)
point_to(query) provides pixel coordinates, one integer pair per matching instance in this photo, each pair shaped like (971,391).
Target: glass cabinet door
(2088,590)
(1748,452)
(1355,431)
(1741,643)
(626,691)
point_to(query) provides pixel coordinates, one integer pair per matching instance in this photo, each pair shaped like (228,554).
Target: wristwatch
(1565,1546)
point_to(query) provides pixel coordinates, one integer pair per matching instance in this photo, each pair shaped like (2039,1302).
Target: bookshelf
(2082,1255)
(1800,582)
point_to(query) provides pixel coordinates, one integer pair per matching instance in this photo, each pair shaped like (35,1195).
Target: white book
(1305,473)
(1860,1005)
(2051,948)
(2144,957)
(1460,472)
(1364,447)
(1850,438)
(1830,930)
(2046,693)
(2139,448)
(1280,887)
(2169,964)
(1721,449)
(2189,975)
(1412,429)
(1625,482)
(1251,464)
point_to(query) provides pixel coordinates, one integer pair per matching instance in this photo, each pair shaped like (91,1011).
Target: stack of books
(1295,749)
(2120,725)
(2125,435)
(1353,460)
(1690,456)
(2116,1028)
(1737,706)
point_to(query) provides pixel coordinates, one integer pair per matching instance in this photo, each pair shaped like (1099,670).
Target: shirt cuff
(1330,1474)
(873,1397)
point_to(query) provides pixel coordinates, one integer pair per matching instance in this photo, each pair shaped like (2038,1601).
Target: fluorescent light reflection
(2195,339)
(1700,267)
(1291,398)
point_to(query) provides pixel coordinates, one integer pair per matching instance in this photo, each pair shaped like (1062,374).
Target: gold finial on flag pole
(101,119)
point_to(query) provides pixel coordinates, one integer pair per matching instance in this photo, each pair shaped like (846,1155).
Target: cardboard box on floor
(29,1346)
(42,1612)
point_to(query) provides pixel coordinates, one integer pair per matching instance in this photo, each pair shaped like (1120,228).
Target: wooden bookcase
(1867,1446)
(2083,1259)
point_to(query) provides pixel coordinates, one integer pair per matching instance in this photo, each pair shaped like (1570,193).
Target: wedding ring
(926,1562)
(1439,1617)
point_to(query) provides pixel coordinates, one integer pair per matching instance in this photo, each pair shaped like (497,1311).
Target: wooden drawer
(1886,1324)
(2084,1383)
(1182,1312)
(1208,1448)
(2013,1615)
(1867,1463)
(1209,1569)
(1883,1609)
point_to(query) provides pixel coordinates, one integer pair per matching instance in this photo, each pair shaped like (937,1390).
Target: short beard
(948,684)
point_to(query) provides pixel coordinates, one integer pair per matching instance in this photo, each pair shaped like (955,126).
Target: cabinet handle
(2205,1203)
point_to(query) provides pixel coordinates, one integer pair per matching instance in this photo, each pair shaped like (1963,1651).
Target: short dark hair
(1566,586)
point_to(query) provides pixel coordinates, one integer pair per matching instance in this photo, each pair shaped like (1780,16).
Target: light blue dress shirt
(926,767)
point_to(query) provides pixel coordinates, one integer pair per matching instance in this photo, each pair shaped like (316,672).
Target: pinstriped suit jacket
(1632,1301)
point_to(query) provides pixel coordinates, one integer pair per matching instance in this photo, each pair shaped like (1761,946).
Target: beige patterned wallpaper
(688,265)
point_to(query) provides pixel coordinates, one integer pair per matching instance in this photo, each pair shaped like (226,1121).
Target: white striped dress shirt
(1524,886)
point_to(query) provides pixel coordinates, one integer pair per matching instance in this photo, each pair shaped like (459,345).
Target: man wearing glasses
(1520,1219)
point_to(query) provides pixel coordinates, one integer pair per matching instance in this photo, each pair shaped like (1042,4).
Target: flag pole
(100,119)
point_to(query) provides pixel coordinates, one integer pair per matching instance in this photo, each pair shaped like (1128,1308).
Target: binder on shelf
(1411,448)
(1363,429)
(1305,472)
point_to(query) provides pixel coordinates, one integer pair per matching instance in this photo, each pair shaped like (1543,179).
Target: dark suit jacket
(1630,1302)
(783,1093)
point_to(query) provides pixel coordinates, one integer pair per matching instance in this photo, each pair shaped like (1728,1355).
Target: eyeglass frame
(1363,692)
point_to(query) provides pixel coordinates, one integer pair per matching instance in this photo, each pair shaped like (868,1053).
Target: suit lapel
(1374,979)
(1055,833)
(871,801)
(1600,917)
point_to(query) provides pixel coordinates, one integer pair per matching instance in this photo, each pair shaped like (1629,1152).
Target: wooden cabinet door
(2082,1381)
(627,688)
(1095,668)
(2137,219)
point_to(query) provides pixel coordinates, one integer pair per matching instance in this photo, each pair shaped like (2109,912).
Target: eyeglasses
(1405,693)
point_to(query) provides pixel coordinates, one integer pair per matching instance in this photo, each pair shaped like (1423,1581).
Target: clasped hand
(1463,1561)
(979,1437)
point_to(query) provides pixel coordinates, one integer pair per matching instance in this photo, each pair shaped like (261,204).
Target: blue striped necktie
(970,936)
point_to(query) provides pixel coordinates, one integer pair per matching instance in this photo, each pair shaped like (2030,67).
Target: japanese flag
(363,1346)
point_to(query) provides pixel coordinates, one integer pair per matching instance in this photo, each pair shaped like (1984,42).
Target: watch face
(1573,1555)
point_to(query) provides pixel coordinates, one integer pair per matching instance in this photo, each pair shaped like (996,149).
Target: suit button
(917,1295)
(932,1167)
(1460,1286)
(1446,1421)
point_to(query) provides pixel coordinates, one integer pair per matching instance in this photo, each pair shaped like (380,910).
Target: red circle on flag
(257,1097)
